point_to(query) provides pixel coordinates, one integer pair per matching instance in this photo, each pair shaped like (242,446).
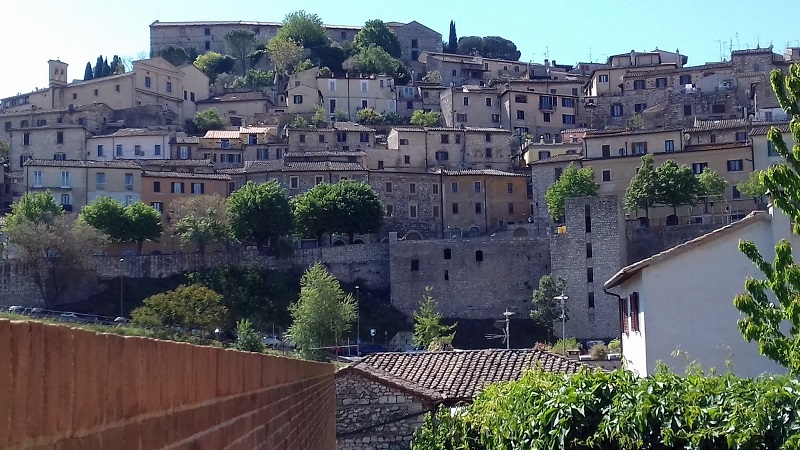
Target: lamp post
(358,321)
(508,315)
(121,309)
(562,299)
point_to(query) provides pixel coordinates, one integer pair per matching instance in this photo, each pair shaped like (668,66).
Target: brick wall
(66,388)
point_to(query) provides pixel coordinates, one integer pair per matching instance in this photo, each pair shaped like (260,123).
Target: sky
(77,31)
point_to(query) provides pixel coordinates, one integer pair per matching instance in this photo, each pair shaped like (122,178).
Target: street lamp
(358,321)
(508,315)
(121,309)
(562,299)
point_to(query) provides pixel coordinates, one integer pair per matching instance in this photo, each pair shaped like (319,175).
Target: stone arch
(413,235)
(359,240)
(521,232)
(474,232)
(338,242)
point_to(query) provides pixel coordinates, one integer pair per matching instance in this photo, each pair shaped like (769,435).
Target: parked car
(69,317)
(367,349)
(272,341)
(16,309)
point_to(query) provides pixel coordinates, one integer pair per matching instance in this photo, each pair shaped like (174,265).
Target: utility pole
(358,321)
(562,299)
(508,315)
(121,291)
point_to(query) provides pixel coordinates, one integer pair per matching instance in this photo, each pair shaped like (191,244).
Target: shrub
(247,340)
(615,346)
(598,351)
(571,344)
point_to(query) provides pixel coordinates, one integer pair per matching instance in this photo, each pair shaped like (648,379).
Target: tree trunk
(140,245)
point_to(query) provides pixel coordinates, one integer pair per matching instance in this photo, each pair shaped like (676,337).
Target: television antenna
(502,325)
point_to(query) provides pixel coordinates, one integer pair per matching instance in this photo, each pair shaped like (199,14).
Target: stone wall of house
(482,278)
(426,198)
(645,242)
(381,411)
(595,223)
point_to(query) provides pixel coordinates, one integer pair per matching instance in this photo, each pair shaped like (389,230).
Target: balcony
(547,106)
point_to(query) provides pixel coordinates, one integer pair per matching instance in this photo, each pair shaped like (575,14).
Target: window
(495,118)
(455,208)
(567,102)
(26,139)
(262,154)
(466,101)
(634,297)
(477,186)
(364,86)
(520,114)
(698,167)
(294,182)
(713,138)
(602,78)
(546,117)
(454,187)
(669,145)
(606,151)
(60,157)
(59,137)
(37,178)
(735,165)
(412,188)
(661,83)
(590,299)
(415,265)
(363,137)
(741,136)
(318,180)
(623,315)
(403,141)
(414,43)
(409,104)
(510,208)
(461,117)
(100,181)
(442,156)
(8,126)
(156,186)
(177,188)
(208,45)
(687,110)
(302,138)
(389,187)
(332,85)
(685,79)
(544,154)
(414,55)
(588,249)
(65,200)
(454,72)
(184,152)
(207,31)
(488,101)
(128,181)
(23,124)
(158,206)
(718,108)
(137,150)
(735,192)
(278,153)
(147,82)
(341,136)
(589,275)
(575,92)
(616,110)
(479,255)
(638,85)
(639,148)
(607,175)
(458,138)
(568,119)
(191,96)
(771,149)
(520,99)
(297,99)
(224,143)
(380,165)
(119,149)
(478,208)
(487,153)
(65,179)
(406,159)
(445,139)
(639,107)
(389,209)
(412,211)
(435,210)
(169,86)
(198,188)
(364,104)
(75,96)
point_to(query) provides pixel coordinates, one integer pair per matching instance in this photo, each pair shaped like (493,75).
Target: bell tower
(58,73)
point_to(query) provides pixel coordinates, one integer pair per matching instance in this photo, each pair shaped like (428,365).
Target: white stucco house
(682,300)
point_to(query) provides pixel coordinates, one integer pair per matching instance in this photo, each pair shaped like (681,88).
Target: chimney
(547,63)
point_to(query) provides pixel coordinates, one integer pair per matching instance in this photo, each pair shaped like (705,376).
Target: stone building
(131,143)
(239,108)
(545,172)
(589,249)
(412,201)
(414,39)
(341,92)
(381,399)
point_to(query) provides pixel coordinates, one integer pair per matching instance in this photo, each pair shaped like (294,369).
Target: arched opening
(448,253)
(520,232)
(338,243)
(474,232)
(358,241)
(672,219)
(413,236)
(479,255)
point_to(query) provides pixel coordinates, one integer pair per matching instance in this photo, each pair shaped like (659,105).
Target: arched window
(479,255)
(447,253)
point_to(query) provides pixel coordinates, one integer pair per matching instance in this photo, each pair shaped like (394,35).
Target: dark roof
(457,375)
(759,130)
(188,140)
(112,164)
(177,162)
(626,131)
(724,124)
(236,97)
(648,73)
(557,159)
(351,126)
(204,176)
(321,166)
(134,132)
(723,146)
(491,172)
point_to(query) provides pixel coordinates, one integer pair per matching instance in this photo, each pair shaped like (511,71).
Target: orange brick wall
(65,388)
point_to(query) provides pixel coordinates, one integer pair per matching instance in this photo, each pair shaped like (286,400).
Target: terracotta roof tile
(135,132)
(708,125)
(491,172)
(351,126)
(763,129)
(112,164)
(321,166)
(236,97)
(557,159)
(459,375)
(187,140)
(222,134)
(203,176)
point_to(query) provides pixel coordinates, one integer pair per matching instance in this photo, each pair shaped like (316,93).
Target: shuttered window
(635,311)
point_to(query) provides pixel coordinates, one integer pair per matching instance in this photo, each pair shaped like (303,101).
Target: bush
(598,351)
(615,346)
(572,344)
(247,340)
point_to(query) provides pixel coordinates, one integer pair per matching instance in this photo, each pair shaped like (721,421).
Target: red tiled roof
(763,129)
(458,375)
(708,125)
(557,159)
(204,176)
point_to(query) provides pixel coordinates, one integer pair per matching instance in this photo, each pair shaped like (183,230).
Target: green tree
(259,213)
(240,44)
(500,48)
(320,118)
(371,60)
(434,76)
(712,186)
(752,186)
(368,116)
(546,310)
(55,248)
(470,45)
(349,207)
(427,119)
(207,119)
(199,220)
(573,182)
(303,28)
(88,74)
(5,150)
(429,332)
(34,207)
(303,65)
(642,192)
(322,314)
(677,185)
(325,72)
(285,54)
(259,78)
(212,64)
(299,122)
(190,307)
(143,223)
(134,223)
(247,340)
(98,68)
(174,54)
(452,41)
(775,324)
(376,33)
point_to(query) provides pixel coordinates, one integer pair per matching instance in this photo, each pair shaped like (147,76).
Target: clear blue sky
(77,31)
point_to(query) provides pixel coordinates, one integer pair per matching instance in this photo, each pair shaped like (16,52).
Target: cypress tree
(106,68)
(114,65)
(87,74)
(452,42)
(98,67)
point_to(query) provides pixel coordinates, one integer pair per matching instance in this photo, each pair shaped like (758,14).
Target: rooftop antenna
(720,50)
(738,45)
(546,52)
(758,40)
(590,55)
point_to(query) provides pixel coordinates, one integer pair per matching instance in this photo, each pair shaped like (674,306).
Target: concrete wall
(69,388)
